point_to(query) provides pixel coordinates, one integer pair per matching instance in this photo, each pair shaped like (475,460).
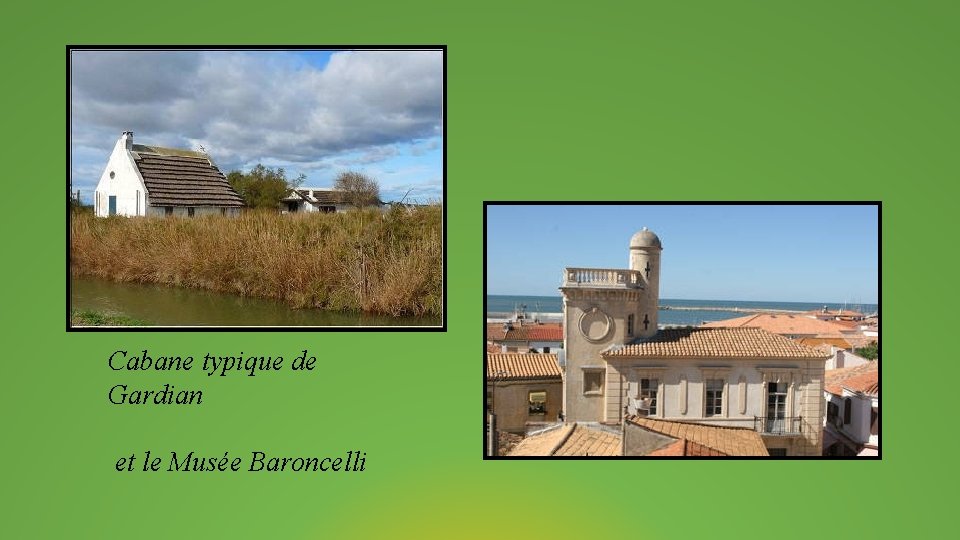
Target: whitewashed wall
(126,185)
(181,211)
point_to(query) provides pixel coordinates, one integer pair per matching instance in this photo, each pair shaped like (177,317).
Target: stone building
(618,364)
(524,390)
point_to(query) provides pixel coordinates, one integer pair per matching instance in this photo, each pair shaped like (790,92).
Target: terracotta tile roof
(828,341)
(585,441)
(724,343)
(864,378)
(493,349)
(729,441)
(570,440)
(184,180)
(851,325)
(545,332)
(524,366)
(495,332)
(677,448)
(526,332)
(867,383)
(783,324)
(542,444)
(684,447)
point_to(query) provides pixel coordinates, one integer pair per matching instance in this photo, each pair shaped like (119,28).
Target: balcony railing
(790,425)
(602,277)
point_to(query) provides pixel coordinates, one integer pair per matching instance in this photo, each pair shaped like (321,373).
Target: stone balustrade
(602,277)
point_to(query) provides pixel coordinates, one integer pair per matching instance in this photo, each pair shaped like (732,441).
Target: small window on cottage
(112,175)
(190,212)
(168,210)
(223,211)
(546,350)
(593,382)
(847,410)
(538,402)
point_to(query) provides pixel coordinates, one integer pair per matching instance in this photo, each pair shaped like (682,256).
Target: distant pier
(732,309)
(557,317)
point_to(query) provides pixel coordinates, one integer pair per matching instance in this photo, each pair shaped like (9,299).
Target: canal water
(176,306)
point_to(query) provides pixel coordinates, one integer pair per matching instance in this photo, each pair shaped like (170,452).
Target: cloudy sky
(312,112)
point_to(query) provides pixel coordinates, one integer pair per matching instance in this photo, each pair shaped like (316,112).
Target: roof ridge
(691,423)
(563,439)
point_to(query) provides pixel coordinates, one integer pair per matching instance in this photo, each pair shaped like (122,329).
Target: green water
(175,306)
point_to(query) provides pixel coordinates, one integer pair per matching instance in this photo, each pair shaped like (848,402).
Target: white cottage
(315,199)
(142,180)
(312,199)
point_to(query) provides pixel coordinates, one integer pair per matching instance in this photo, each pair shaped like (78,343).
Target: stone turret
(645,248)
(604,308)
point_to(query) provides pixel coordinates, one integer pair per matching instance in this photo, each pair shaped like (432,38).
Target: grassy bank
(381,262)
(88,317)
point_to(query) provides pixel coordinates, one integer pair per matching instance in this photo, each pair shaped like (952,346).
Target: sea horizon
(499,305)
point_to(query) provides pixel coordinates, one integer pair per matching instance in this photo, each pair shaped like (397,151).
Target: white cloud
(362,108)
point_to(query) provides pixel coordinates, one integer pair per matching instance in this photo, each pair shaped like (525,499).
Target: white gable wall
(126,184)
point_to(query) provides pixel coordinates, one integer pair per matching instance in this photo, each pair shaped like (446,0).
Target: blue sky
(796,253)
(316,113)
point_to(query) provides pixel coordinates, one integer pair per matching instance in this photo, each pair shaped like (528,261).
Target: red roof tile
(830,341)
(525,332)
(718,343)
(570,440)
(867,383)
(684,447)
(709,440)
(783,324)
(524,366)
(863,378)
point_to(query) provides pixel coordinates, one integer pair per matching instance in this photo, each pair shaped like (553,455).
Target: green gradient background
(660,100)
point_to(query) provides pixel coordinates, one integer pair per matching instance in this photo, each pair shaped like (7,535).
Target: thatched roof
(183,179)
(321,197)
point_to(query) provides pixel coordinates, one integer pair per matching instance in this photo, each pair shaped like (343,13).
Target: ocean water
(502,306)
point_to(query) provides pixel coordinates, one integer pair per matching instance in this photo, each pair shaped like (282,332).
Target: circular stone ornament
(595,325)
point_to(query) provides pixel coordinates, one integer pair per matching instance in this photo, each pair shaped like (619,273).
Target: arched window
(847,410)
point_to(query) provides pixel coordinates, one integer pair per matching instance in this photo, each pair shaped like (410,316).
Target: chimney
(127,139)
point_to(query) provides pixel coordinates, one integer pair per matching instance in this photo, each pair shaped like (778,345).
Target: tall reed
(383,262)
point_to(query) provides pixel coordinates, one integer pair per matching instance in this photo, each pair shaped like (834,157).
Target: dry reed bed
(381,262)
